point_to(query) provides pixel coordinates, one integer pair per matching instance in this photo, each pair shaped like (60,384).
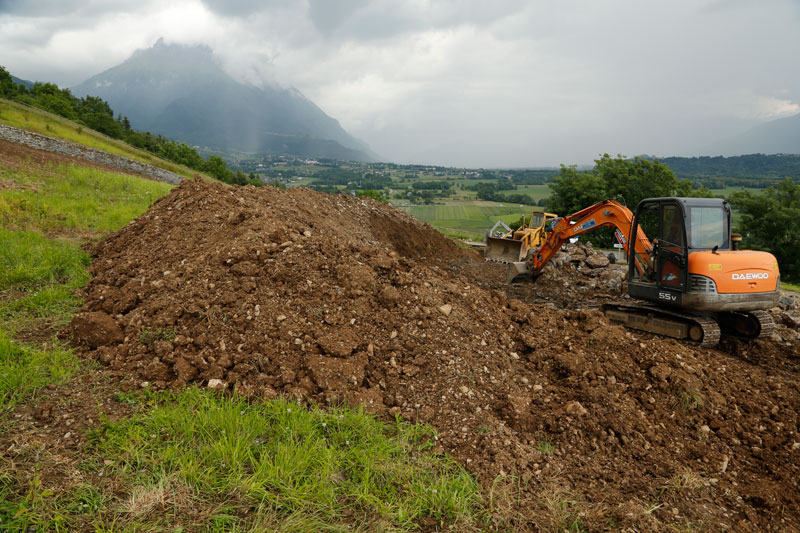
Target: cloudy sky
(462,82)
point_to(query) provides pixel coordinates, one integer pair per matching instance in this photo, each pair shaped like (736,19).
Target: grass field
(469,218)
(189,460)
(39,121)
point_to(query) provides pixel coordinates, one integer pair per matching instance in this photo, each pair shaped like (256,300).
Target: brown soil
(334,298)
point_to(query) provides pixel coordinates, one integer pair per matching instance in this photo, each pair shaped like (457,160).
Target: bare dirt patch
(338,299)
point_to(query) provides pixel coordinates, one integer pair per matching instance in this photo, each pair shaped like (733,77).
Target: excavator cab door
(663,221)
(671,254)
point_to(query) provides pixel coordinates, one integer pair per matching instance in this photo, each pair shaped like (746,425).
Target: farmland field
(473,219)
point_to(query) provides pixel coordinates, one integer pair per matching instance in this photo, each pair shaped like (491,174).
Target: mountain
(781,136)
(182,93)
(26,83)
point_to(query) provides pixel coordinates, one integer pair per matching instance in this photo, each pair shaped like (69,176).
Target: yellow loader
(512,246)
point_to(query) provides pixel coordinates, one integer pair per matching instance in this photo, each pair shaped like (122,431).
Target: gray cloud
(504,83)
(245,8)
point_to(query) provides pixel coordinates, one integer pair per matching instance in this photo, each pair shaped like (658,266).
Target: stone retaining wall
(50,144)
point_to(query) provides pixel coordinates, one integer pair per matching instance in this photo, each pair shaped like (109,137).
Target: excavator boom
(604,214)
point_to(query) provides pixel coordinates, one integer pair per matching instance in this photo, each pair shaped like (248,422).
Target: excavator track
(747,326)
(699,329)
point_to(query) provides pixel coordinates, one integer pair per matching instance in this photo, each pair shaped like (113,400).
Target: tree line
(750,166)
(97,114)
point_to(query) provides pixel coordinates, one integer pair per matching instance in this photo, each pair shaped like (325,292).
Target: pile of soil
(334,298)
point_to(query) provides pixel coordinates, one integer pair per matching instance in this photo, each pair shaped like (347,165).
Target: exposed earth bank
(340,299)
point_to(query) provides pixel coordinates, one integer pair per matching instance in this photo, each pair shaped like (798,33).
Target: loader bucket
(502,250)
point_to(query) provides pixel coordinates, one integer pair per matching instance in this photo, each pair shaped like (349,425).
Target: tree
(375,195)
(573,190)
(771,221)
(628,181)
(217,168)
(8,89)
(631,181)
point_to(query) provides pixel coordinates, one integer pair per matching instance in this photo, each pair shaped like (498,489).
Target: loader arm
(604,214)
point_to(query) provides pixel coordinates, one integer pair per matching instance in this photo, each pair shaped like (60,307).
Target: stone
(446,309)
(575,409)
(216,384)
(596,261)
(792,320)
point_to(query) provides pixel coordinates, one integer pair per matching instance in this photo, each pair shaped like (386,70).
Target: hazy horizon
(462,83)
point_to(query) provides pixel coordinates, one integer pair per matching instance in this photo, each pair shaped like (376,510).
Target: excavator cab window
(666,265)
(708,228)
(642,267)
(536,219)
(671,257)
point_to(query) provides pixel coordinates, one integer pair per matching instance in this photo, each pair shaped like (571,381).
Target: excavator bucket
(518,271)
(502,250)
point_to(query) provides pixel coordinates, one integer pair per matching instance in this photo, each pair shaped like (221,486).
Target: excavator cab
(664,221)
(677,227)
(691,263)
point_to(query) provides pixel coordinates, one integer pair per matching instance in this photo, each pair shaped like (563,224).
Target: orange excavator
(697,283)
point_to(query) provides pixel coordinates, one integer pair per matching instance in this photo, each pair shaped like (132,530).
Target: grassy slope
(39,121)
(192,459)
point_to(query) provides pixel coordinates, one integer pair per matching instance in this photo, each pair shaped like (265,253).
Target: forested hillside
(96,114)
(753,170)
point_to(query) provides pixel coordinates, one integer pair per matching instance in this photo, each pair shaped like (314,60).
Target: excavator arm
(604,214)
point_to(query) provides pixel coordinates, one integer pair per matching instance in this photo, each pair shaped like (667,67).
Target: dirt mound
(334,298)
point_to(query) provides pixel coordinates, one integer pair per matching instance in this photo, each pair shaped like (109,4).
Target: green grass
(275,462)
(24,370)
(39,121)
(206,462)
(74,197)
(29,259)
(727,191)
(537,192)
(471,219)
(42,274)
(794,287)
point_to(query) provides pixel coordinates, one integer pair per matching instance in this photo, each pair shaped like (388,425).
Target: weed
(691,401)
(563,509)
(546,447)
(128,398)
(686,480)
(149,336)
(653,507)
(543,445)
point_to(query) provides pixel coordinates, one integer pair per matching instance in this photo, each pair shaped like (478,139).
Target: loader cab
(675,227)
